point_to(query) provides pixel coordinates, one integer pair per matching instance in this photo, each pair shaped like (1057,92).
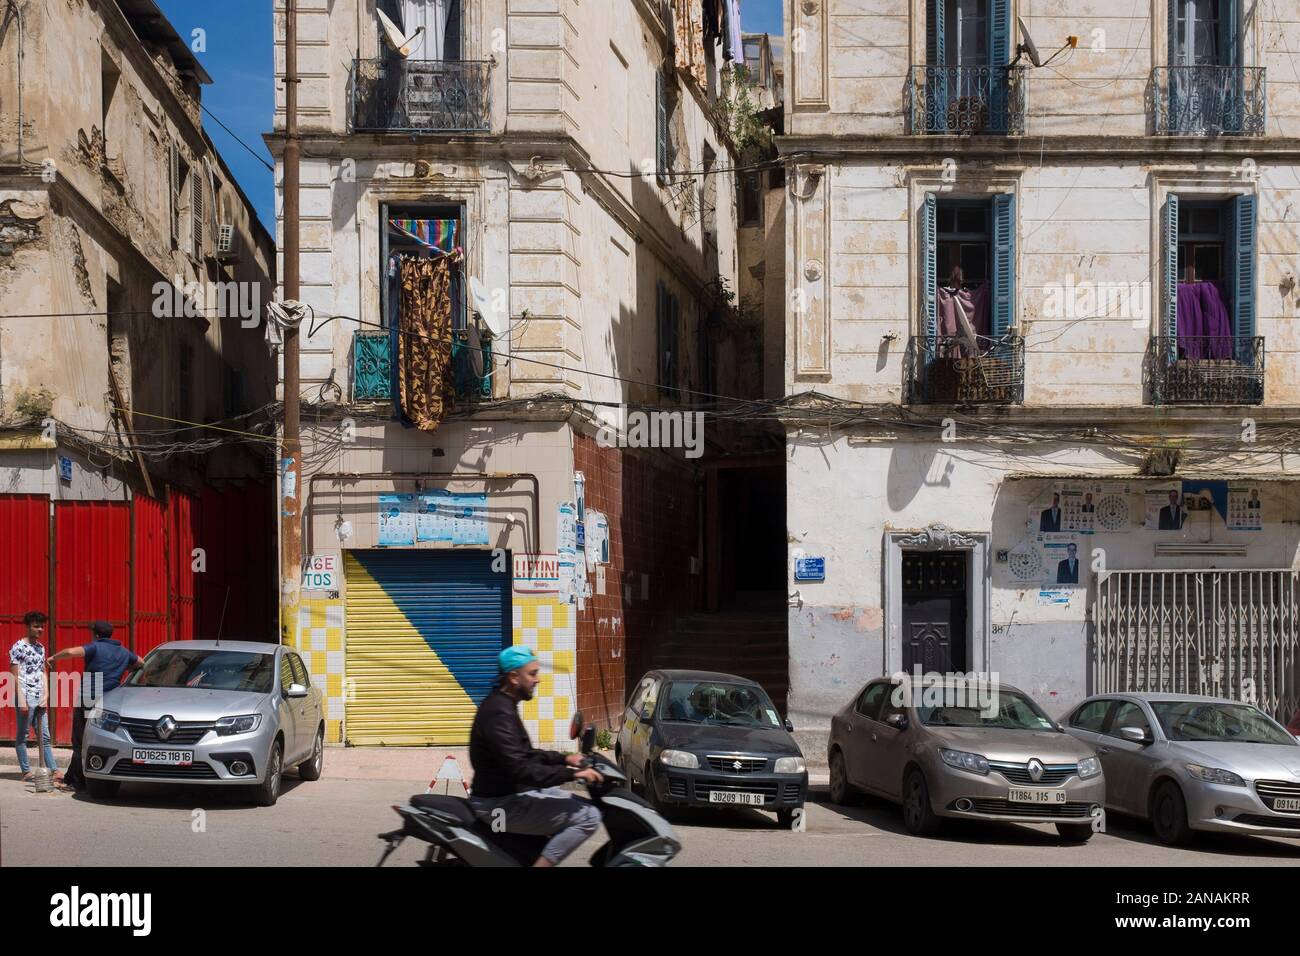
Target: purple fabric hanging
(1190,322)
(1215,321)
(975,302)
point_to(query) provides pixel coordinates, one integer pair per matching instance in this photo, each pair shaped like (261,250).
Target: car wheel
(918,816)
(1075,832)
(1169,815)
(787,819)
(842,793)
(310,768)
(268,791)
(102,789)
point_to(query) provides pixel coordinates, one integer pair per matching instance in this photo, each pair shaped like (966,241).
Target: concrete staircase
(748,639)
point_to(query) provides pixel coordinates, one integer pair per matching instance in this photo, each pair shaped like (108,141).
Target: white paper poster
(433,516)
(1165,508)
(1245,508)
(396,520)
(597,538)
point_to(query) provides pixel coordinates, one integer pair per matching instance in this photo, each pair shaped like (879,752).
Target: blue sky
(242,94)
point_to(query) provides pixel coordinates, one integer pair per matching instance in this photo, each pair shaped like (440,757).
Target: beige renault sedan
(963,750)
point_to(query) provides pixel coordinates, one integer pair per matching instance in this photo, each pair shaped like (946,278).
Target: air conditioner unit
(225,238)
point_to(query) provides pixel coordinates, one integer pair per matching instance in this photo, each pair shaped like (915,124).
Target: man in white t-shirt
(27,664)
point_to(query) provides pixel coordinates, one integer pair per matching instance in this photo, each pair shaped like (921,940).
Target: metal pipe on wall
(420,476)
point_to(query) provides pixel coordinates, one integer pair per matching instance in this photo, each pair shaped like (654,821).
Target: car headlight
(790,765)
(238,725)
(1089,767)
(106,720)
(679,758)
(1215,775)
(975,763)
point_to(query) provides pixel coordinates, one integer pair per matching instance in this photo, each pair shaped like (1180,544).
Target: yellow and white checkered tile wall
(320,643)
(549,626)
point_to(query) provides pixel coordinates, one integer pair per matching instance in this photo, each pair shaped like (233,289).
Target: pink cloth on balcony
(1204,326)
(976,303)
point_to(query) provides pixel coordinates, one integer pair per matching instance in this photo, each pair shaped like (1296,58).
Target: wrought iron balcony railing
(1206,370)
(372,366)
(1208,100)
(948,370)
(968,99)
(421,96)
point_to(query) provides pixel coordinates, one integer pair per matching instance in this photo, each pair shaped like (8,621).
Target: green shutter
(1004,264)
(930,264)
(1241,275)
(1169,251)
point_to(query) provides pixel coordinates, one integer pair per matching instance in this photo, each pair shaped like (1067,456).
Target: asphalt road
(334,822)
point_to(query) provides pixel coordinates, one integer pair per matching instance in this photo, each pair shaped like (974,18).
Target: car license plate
(162,758)
(1289,804)
(728,796)
(1053,797)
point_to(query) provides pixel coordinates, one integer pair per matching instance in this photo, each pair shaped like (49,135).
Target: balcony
(1206,370)
(372,367)
(421,96)
(967,100)
(1208,100)
(945,370)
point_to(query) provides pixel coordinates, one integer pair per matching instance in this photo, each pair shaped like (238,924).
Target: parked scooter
(638,834)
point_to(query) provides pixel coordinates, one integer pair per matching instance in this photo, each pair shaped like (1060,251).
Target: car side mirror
(1135,734)
(789,727)
(588,739)
(898,721)
(647,715)
(296,690)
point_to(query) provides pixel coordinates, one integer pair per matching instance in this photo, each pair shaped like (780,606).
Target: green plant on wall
(34,404)
(739,113)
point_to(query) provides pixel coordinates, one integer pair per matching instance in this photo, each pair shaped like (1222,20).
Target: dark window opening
(964,239)
(1201,239)
(421,231)
(751,199)
(966,32)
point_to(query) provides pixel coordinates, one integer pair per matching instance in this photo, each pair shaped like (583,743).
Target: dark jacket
(504,759)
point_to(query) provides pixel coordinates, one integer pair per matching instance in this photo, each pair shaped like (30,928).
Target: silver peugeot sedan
(963,750)
(1193,763)
(229,713)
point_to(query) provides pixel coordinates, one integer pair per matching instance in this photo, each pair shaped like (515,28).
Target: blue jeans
(40,718)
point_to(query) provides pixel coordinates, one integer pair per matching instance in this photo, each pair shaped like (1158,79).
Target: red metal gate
(24,576)
(182,528)
(149,577)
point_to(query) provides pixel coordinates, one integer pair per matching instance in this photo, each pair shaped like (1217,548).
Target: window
(1204,33)
(300,675)
(868,704)
(890,708)
(709,197)
(667,315)
(420,230)
(978,236)
(179,172)
(439,20)
(967,47)
(196,212)
(1209,248)
(1128,715)
(665,148)
(286,672)
(968,32)
(1091,715)
(751,198)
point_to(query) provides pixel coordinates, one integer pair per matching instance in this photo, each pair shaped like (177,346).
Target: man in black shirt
(516,786)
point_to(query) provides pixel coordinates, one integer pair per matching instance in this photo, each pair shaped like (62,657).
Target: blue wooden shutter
(999,58)
(935,34)
(930,265)
(1241,276)
(1004,264)
(1229,33)
(1169,287)
(1177,51)
(661,126)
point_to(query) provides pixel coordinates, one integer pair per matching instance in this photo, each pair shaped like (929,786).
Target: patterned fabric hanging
(440,234)
(688,34)
(424,341)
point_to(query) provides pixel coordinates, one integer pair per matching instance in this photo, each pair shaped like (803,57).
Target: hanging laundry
(713,21)
(976,303)
(440,234)
(735,46)
(432,15)
(1204,325)
(688,31)
(424,341)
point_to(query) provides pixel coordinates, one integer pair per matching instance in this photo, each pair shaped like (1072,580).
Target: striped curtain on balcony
(424,342)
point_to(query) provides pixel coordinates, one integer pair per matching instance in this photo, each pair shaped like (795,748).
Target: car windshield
(207,669)
(1234,723)
(1003,710)
(714,702)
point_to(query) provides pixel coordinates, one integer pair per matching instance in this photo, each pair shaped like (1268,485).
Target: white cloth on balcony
(432,15)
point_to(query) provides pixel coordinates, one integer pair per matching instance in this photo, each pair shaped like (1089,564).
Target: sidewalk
(416,764)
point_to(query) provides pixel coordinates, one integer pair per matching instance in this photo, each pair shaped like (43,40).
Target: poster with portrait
(1245,508)
(1165,507)
(1079,508)
(1046,513)
(397,520)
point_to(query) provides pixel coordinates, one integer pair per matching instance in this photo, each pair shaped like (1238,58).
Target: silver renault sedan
(229,713)
(959,749)
(1193,763)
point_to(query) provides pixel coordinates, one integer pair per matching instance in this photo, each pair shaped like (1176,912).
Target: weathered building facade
(133,274)
(1050,315)
(524,231)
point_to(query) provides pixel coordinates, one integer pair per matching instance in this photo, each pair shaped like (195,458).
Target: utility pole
(291,489)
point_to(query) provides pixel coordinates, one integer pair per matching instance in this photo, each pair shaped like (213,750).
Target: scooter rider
(516,786)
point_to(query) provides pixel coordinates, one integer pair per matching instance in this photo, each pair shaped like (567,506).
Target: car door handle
(873,735)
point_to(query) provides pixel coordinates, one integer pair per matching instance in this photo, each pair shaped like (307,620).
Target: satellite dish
(402,45)
(478,294)
(474,343)
(1027,44)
